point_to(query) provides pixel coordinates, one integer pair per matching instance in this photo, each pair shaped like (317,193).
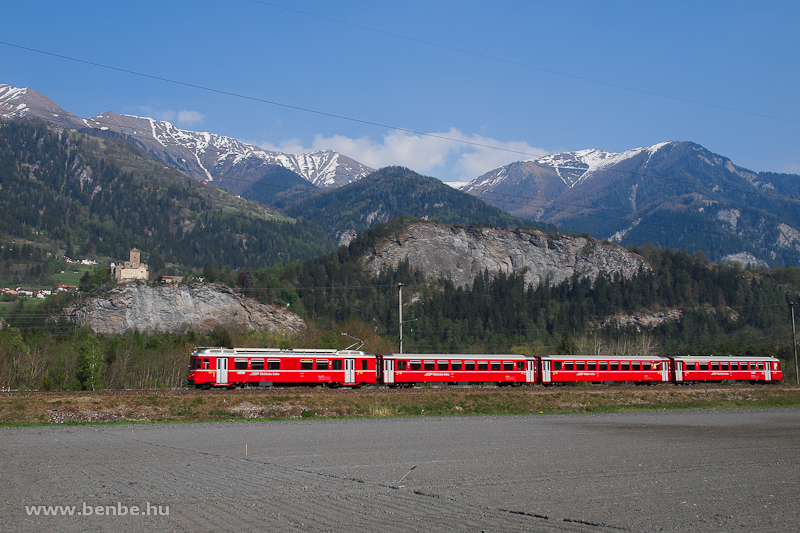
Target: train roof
(430,356)
(722,358)
(277,352)
(607,357)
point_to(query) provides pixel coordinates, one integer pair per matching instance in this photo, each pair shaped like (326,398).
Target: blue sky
(532,77)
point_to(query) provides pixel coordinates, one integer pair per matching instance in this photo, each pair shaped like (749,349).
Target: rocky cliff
(459,254)
(181,308)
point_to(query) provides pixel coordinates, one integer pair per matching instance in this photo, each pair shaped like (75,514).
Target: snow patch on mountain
(571,167)
(574,167)
(217,154)
(10,102)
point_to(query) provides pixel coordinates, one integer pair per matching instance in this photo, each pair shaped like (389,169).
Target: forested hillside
(702,308)
(717,309)
(61,190)
(394,192)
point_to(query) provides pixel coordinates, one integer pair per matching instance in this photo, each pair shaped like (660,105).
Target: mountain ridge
(200,155)
(674,193)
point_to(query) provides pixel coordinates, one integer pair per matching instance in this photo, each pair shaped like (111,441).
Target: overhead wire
(357,120)
(446,190)
(519,63)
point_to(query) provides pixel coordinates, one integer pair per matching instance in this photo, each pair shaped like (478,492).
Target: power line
(521,64)
(312,215)
(357,120)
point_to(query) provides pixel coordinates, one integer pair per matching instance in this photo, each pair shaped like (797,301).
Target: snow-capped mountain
(675,194)
(570,167)
(231,164)
(211,157)
(27,103)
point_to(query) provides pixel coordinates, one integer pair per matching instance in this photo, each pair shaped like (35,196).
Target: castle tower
(136,257)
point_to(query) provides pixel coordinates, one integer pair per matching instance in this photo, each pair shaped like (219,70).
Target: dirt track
(672,471)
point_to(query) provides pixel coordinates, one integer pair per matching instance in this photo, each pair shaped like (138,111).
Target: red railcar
(264,367)
(562,369)
(407,370)
(710,368)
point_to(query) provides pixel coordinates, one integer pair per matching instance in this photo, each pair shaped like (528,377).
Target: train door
(530,372)
(546,376)
(388,371)
(349,370)
(678,370)
(222,370)
(768,371)
(664,370)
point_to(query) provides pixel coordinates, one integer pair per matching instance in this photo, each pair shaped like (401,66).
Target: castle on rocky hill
(131,270)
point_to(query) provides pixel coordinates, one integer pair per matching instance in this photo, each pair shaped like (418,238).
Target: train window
(723,366)
(580,365)
(416,365)
(402,365)
(626,366)
(206,364)
(714,366)
(240,364)
(656,366)
(336,364)
(569,365)
(603,366)
(442,365)
(556,365)
(274,364)
(194,364)
(483,365)
(257,364)
(306,364)
(761,366)
(496,365)
(456,365)
(364,364)
(469,365)
(645,366)
(520,365)
(614,365)
(508,365)
(636,366)
(322,364)
(702,366)
(689,365)
(592,365)
(429,365)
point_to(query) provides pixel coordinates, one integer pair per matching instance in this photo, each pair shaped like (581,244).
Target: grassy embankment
(197,406)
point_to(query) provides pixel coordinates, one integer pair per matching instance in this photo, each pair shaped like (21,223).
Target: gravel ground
(668,471)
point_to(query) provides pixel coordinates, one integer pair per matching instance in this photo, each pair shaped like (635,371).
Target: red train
(266,367)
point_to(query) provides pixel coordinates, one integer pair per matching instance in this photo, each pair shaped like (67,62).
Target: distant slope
(393,192)
(230,163)
(59,187)
(676,194)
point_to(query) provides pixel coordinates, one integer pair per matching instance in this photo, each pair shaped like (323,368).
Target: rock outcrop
(459,254)
(181,308)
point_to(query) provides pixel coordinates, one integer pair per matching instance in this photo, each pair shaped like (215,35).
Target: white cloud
(182,118)
(291,146)
(449,156)
(190,117)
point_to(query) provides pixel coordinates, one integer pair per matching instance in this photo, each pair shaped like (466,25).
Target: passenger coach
(407,370)
(563,369)
(265,367)
(716,368)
